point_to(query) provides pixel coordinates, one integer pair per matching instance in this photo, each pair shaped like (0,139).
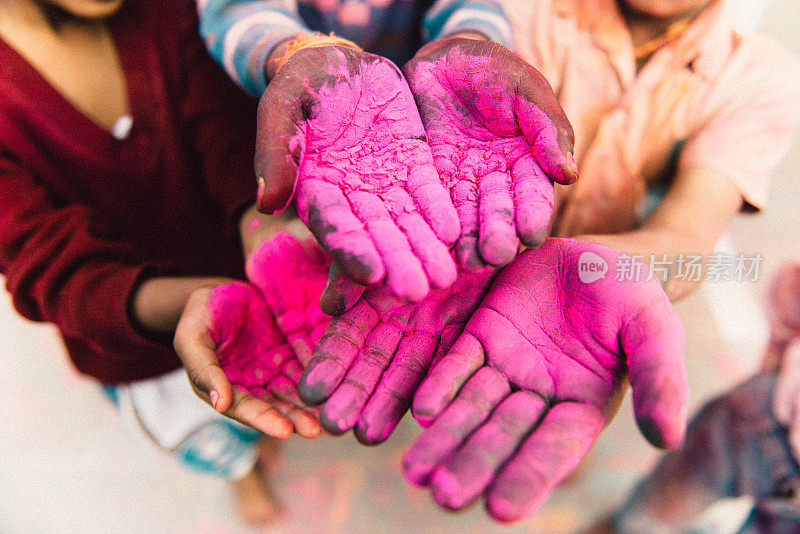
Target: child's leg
(255,496)
(165,412)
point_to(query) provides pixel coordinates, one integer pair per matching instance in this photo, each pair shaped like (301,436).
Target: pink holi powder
(564,342)
(254,225)
(250,348)
(366,184)
(495,150)
(261,329)
(368,365)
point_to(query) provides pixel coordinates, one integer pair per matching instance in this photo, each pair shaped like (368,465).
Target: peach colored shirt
(732,100)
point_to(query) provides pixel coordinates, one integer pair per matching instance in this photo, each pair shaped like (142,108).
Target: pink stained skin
(252,352)
(265,331)
(338,129)
(526,389)
(291,274)
(372,357)
(499,139)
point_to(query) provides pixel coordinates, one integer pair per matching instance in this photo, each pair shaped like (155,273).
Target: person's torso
(143,185)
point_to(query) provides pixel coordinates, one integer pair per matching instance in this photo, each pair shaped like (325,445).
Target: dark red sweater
(85,217)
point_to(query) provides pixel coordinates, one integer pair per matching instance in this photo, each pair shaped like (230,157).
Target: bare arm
(695,212)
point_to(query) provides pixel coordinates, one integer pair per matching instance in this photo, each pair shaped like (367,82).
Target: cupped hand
(338,129)
(257,337)
(499,140)
(290,272)
(526,389)
(215,331)
(372,357)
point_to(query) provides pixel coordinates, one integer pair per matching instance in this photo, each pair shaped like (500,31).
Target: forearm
(267,24)
(159,302)
(658,247)
(685,227)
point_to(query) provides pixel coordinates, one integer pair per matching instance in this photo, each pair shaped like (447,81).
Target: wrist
(255,228)
(465,34)
(287,48)
(158,303)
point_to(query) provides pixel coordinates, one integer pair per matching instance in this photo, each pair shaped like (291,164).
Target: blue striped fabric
(240,34)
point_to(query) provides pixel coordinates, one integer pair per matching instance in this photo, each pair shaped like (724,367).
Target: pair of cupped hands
(421,185)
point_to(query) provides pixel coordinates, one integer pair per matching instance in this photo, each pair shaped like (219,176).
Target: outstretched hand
(257,359)
(499,140)
(244,344)
(370,360)
(524,392)
(338,129)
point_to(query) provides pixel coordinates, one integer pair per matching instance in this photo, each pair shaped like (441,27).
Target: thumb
(653,341)
(340,294)
(280,139)
(197,350)
(546,126)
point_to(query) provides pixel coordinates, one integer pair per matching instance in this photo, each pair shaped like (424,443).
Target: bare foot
(256,500)
(269,454)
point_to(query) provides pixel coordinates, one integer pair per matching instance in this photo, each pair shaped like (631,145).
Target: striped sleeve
(484,16)
(240,34)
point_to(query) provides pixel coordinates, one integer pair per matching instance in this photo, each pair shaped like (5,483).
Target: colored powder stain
(244,331)
(254,225)
(256,325)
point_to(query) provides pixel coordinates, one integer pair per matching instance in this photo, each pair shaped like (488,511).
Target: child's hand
(372,357)
(290,273)
(734,447)
(339,129)
(525,390)
(499,139)
(229,327)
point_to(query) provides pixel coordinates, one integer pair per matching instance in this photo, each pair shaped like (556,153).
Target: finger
(305,423)
(341,411)
(533,201)
(404,274)
(464,194)
(434,255)
(653,342)
(442,383)
(546,127)
(261,415)
(335,353)
(329,216)
(292,370)
(787,388)
(446,342)
(279,143)
(434,203)
(340,294)
(393,395)
(473,466)
(197,352)
(498,241)
(468,410)
(547,456)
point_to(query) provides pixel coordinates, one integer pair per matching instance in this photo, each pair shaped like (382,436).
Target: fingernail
(571,163)
(214,396)
(261,186)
